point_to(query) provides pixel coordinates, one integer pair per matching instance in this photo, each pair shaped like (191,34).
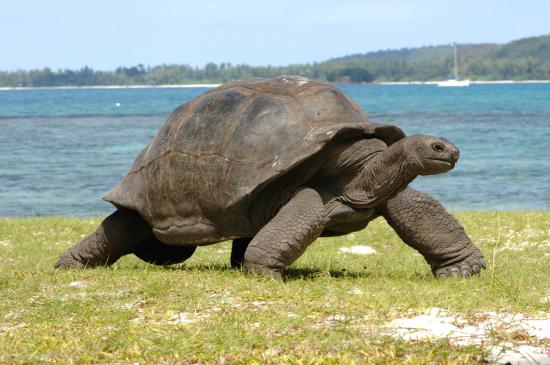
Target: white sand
(358,250)
(76,284)
(438,324)
(519,355)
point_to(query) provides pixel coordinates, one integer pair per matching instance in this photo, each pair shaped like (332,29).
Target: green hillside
(426,54)
(411,55)
(523,59)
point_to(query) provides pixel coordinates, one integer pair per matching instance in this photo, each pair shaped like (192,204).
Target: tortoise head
(430,155)
(390,170)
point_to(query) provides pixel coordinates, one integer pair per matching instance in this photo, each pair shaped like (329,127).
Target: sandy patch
(225,298)
(522,354)
(4,328)
(523,245)
(331,320)
(146,314)
(335,318)
(169,318)
(182,318)
(76,284)
(486,329)
(259,304)
(519,240)
(358,250)
(356,291)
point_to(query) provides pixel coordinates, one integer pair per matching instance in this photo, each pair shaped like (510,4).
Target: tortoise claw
(259,270)
(68,262)
(462,269)
(468,267)
(455,272)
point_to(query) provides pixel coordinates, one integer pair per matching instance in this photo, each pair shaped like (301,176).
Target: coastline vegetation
(331,310)
(524,59)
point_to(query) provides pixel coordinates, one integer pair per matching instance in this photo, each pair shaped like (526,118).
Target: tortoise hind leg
(153,251)
(237,251)
(118,235)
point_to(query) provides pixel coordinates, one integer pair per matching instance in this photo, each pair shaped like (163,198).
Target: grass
(330,310)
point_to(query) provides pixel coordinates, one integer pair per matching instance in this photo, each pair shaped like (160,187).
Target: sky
(105,34)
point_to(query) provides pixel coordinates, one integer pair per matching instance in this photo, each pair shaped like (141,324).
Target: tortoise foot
(260,270)
(66,261)
(471,265)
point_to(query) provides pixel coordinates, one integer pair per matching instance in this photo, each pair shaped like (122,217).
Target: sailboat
(454,82)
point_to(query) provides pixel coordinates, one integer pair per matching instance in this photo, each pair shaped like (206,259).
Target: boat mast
(456,65)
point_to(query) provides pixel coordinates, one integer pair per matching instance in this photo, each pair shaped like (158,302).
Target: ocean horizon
(212,85)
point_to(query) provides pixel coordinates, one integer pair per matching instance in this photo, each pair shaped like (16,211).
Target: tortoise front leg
(285,238)
(119,234)
(426,226)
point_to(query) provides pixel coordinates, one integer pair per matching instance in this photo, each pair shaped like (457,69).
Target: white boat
(454,82)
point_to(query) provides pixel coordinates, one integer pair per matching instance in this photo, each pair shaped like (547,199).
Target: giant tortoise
(273,164)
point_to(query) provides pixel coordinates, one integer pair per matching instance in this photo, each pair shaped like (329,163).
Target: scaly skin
(285,237)
(425,225)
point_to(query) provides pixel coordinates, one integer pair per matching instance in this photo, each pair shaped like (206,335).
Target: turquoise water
(62,150)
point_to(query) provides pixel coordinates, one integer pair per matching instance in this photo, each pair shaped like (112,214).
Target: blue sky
(104,34)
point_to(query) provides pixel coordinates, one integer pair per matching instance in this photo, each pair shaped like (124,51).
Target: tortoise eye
(438,147)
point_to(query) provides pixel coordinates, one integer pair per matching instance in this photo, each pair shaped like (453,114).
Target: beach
(184,86)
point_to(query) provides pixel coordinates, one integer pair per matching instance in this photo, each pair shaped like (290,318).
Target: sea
(62,150)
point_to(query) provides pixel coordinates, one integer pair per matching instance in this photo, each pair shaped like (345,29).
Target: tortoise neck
(381,177)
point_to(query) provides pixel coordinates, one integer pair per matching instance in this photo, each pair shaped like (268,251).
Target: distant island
(523,59)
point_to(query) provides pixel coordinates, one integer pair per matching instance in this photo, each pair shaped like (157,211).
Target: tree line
(176,74)
(520,60)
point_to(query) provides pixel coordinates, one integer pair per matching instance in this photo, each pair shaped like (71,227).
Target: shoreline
(168,86)
(495,82)
(191,86)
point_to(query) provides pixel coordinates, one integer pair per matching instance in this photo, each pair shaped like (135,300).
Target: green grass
(330,309)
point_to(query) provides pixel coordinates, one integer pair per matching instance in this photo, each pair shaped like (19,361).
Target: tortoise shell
(196,180)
